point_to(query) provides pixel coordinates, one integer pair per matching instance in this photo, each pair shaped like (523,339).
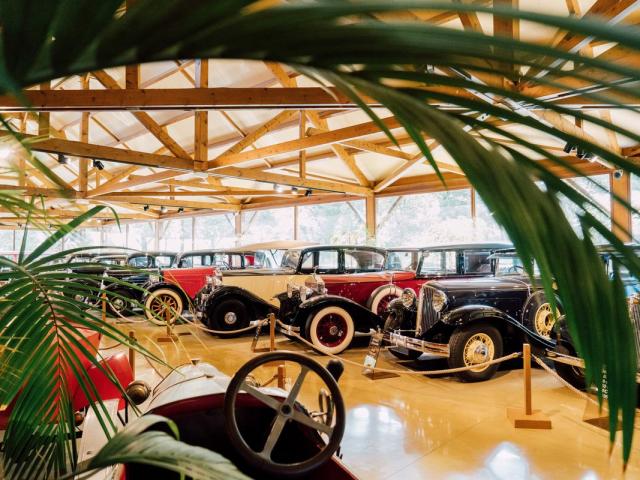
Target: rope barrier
(404,372)
(578,392)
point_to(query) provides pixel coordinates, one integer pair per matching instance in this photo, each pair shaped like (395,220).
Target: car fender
(364,319)
(258,306)
(118,366)
(478,313)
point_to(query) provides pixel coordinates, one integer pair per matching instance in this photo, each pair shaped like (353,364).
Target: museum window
(267,225)
(141,236)
(176,234)
(114,235)
(597,189)
(485,228)
(84,237)
(333,223)
(635,203)
(424,219)
(214,231)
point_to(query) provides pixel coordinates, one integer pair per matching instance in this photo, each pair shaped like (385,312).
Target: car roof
(158,253)
(342,247)
(277,245)
(470,246)
(239,251)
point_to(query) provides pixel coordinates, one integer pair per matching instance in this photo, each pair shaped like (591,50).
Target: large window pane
(485,228)
(176,235)
(635,203)
(215,231)
(142,236)
(596,194)
(6,241)
(267,225)
(83,237)
(114,235)
(333,223)
(424,219)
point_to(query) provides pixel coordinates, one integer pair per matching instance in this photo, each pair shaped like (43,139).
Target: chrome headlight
(438,301)
(154,278)
(408,297)
(291,289)
(316,284)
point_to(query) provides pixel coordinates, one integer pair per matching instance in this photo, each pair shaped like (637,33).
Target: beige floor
(410,427)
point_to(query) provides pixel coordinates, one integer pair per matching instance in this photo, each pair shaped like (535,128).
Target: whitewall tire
(330,329)
(381,297)
(157,303)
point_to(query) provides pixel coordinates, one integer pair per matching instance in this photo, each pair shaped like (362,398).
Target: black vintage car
(472,321)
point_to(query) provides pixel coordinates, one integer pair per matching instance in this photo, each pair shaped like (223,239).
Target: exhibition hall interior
(348,239)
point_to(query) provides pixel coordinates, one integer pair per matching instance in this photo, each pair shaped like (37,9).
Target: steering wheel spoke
(276,431)
(307,421)
(263,397)
(295,390)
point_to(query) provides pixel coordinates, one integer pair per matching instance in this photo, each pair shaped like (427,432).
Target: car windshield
(111,260)
(477,262)
(438,263)
(363,260)
(164,261)
(510,264)
(401,260)
(291,259)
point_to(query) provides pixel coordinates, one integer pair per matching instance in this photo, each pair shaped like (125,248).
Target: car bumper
(412,343)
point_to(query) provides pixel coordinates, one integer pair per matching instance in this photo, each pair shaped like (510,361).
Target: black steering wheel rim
(255,459)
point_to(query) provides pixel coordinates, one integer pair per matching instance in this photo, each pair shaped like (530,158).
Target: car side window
(327,261)
(451,263)
(307,261)
(477,262)
(186,262)
(439,263)
(363,261)
(236,261)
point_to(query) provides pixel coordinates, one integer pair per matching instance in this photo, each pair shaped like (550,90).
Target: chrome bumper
(410,343)
(573,361)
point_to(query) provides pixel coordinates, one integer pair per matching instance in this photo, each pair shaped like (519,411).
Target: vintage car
(231,301)
(473,320)
(172,290)
(264,429)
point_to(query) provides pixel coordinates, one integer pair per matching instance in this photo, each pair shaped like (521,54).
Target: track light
(163,209)
(278,188)
(180,210)
(308,193)
(568,147)
(294,190)
(146,208)
(62,160)
(98,164)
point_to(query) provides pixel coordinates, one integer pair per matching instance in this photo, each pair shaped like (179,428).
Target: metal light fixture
(146,208)
(308,193)
(180,210)
(294,190)
(278,188)
(62,160)
(98,164)
(568,147)
(163,209)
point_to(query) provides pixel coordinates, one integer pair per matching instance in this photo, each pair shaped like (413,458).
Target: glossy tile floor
(413,427)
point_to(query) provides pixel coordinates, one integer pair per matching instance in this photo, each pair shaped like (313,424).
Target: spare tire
(538,315)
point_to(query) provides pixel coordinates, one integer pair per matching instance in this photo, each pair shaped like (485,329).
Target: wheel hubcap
(478,349)
(331,330)
(544,320)
(118,304)
(230,318)
(382,306)
(164,303)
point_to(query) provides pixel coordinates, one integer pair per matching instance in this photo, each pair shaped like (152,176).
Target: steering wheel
(515,269)
(287,410)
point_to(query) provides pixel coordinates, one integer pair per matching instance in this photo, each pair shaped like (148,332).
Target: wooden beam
(620,184)
(333,136)
(302,154)
(510,28)
(201,126)
(44,118)
(114,99)
(167,202)
(144,118)
(83,163)
(370,222)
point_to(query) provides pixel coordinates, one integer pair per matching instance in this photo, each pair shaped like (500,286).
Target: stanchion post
(104,307)
(132,353)
(527,417)
(272,332)
(282,374)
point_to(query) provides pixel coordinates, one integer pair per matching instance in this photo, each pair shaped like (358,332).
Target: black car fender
(363,318)
(483,313)
(257,307)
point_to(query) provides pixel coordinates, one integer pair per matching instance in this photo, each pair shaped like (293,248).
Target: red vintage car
(410,268)
(172,290)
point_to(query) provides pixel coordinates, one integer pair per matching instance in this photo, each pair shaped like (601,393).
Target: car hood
(368,277)
(514,282)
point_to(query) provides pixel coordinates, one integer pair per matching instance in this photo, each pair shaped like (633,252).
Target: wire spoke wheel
(544,320)
(332,330)
(478,349)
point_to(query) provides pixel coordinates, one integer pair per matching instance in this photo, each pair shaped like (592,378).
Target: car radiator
(427,316)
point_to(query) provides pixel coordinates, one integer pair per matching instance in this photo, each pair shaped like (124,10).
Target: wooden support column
(83,162)
(302,156)
(620,183)
(370,216)
(506,27)
(44,118)
(132,72)
(238,227)
(201,129)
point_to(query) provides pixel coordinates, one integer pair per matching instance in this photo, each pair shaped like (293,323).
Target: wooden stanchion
(272,332)
(104,307)
(132,353)
(527,417)
(282,375)
(167,319)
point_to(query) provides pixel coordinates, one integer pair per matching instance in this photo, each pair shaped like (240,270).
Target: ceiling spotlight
(62,160)
(146,208)
(568,147)
(163,209)
(98,164)
(294,190)
(278,188)
(308,193)
(180,210)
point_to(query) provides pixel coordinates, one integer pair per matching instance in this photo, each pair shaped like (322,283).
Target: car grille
(634,314)
(427,317)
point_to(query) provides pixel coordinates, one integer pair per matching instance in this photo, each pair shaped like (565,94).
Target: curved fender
(227,291)
(119,366)
(363,318)
(474,313)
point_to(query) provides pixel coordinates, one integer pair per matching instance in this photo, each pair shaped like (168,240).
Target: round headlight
(408,297)
(439,300)
(154,278)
